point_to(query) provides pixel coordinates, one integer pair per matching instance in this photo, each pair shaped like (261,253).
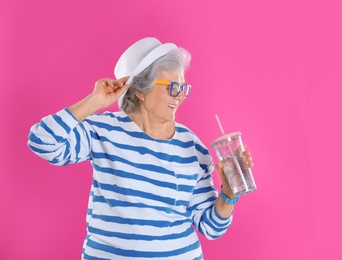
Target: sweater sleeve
(60,139)
(202,205)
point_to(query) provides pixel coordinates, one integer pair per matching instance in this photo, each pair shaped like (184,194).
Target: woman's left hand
(219,167)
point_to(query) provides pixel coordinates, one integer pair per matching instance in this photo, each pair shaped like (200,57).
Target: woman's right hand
(107,91)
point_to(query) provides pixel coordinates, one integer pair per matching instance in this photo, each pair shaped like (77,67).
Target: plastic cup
(228,149)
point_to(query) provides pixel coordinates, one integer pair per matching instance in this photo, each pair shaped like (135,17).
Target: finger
(219,166)
(250,164)
(104,83)
(116,84)
(120,90)
(100,83)
(249,161)
(124,79)
(246,153)
(108,81)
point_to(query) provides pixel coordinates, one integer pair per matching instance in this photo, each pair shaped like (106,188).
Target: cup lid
(226,136)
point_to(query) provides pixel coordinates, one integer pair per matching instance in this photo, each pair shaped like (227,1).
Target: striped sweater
(148,195)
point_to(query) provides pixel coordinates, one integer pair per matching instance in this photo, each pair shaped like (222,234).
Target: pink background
(270,69)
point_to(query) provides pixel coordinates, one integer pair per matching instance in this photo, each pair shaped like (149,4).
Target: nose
(180,96)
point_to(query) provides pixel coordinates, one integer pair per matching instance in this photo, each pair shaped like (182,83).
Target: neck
(152,126)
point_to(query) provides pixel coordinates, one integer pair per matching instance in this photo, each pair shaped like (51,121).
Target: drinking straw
(219,124)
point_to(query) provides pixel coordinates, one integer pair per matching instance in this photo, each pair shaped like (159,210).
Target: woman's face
(158,102)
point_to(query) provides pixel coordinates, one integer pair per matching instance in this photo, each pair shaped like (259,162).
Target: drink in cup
(229,150)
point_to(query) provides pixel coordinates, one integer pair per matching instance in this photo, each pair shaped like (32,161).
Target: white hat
(138,57)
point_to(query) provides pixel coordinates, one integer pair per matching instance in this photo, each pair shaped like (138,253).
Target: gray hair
(176,61)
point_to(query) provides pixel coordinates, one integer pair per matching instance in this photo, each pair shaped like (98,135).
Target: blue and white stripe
(147,194)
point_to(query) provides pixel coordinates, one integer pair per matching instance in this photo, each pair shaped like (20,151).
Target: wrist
(227,191)
(94,102)
(228,200)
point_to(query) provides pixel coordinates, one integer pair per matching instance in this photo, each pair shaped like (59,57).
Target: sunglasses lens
(186,90)
(175,88)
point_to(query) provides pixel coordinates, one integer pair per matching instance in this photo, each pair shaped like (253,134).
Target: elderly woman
(152,177)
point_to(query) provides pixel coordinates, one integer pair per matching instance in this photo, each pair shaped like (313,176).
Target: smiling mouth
(172,106)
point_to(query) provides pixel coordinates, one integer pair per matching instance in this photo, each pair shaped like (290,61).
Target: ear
(139,95)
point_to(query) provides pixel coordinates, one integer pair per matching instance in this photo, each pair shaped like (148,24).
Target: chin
(170,118)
